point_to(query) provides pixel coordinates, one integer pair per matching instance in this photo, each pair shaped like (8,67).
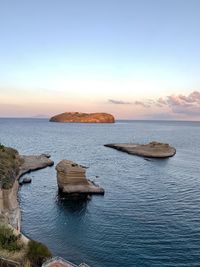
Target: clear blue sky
(93,51)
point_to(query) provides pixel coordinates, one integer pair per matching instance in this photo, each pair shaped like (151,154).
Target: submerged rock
(83,117)
(47,155)
(152,150)
(27,180)
(71,179)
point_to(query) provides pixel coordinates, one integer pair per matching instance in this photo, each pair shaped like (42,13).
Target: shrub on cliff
(37,253)
(8,240)
(9,166)
(1,146)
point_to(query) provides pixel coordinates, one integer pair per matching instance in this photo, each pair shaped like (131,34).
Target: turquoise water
(150,214)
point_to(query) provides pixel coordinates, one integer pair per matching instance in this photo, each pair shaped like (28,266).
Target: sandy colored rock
(151,150)
(83,117)
(71,179)
(33,163)
(58,262)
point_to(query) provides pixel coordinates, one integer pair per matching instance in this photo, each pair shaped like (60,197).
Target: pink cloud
(141,103)
(187,105)
(118,102)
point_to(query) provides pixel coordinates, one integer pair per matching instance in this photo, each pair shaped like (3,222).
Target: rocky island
(72,180)
(152,150)
(83,117)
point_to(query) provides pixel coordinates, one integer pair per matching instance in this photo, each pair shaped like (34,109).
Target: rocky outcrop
(151,150)
(33,163)
(71,179)
(59,262)
(9,207)
(83,117)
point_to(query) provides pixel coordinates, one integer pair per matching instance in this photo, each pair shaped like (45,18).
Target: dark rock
(27,180)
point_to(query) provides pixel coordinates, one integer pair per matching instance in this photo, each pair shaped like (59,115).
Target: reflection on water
(158,161)
(72,204)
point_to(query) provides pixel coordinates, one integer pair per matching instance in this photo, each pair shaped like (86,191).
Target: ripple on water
(149,215)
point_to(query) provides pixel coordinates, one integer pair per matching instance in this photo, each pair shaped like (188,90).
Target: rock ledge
(71,179)
(152,150)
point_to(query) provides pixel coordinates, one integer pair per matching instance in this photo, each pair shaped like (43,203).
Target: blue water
(150,214)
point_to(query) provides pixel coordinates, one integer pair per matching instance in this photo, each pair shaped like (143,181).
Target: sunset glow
(59,56)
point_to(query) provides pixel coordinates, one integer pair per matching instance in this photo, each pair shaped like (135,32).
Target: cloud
(119,102)
(189,105)
(191,98)
(161,101)
(182,104)
(137,103)
(180,100)
(143,104)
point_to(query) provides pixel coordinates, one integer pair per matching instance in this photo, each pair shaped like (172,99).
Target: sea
(150,213)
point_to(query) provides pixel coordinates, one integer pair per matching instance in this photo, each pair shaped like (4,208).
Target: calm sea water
(150,214)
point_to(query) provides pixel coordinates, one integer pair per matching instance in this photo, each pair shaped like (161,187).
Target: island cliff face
(83,117)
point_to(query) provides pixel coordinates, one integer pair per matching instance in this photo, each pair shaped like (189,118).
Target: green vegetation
(1,146)
(37,253)
(8,240)
(32,254)
(12,247)
(9,166)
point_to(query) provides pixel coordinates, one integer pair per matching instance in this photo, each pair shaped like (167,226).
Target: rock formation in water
(83,117)
(12,167)
(71,179)
(151,150)
(34,162)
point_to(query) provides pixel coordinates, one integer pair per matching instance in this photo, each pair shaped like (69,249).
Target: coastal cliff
(15,248)
(10,162)
(83,117)
(12,167)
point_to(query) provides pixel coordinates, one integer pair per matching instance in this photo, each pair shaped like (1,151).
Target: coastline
(9,205)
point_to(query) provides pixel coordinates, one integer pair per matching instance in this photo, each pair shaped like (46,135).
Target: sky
(134,59)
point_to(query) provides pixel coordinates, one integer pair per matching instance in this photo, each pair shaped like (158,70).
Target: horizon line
(161,120)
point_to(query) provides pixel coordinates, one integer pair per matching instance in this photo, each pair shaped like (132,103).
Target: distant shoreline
(117,120)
